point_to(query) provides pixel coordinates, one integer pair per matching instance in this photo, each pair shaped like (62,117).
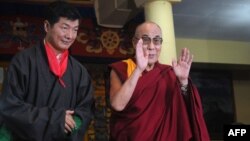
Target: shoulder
(117,64)
(22,62)
(118,67)
(77,66)
(23,57)
(25,53)
(121,66)
(74,62)
(79,72)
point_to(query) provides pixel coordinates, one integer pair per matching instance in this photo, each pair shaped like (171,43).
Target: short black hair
(58,9)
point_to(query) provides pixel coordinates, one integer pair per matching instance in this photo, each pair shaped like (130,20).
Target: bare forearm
(120,99)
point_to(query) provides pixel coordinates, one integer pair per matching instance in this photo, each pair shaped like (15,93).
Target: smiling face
(62,34)
(151,35)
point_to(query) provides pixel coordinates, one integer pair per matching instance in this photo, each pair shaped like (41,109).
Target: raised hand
(141,56)
(183,65)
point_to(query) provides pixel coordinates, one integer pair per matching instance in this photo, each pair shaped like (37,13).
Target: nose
(70,34)
(151,46)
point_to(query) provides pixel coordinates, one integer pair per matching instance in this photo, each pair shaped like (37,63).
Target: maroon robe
(157,111)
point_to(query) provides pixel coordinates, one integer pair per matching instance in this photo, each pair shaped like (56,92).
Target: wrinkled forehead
(148,29)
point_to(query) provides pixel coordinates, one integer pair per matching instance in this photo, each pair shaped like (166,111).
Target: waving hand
(183,65)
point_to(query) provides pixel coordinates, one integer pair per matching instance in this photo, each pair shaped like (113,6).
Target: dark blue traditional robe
(33,103)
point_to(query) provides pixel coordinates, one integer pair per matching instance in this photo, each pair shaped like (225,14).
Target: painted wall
(216,51)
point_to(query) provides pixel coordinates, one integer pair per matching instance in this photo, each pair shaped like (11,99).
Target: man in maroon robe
(151,101)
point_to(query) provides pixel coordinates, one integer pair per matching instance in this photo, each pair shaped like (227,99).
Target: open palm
(183,65)
(141,56)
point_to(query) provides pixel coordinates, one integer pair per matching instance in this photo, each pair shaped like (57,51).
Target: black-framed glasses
(147,40)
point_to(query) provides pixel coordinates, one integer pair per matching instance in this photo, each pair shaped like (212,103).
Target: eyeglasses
(147,40)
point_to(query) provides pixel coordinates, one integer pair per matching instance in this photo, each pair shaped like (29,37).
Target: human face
(151,36)
(62,34)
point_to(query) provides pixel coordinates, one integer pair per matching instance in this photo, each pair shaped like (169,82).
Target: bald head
(150,35)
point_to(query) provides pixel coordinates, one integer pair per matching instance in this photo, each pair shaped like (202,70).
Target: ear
(46,26)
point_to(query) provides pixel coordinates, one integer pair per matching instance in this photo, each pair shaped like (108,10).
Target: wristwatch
(184,88)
